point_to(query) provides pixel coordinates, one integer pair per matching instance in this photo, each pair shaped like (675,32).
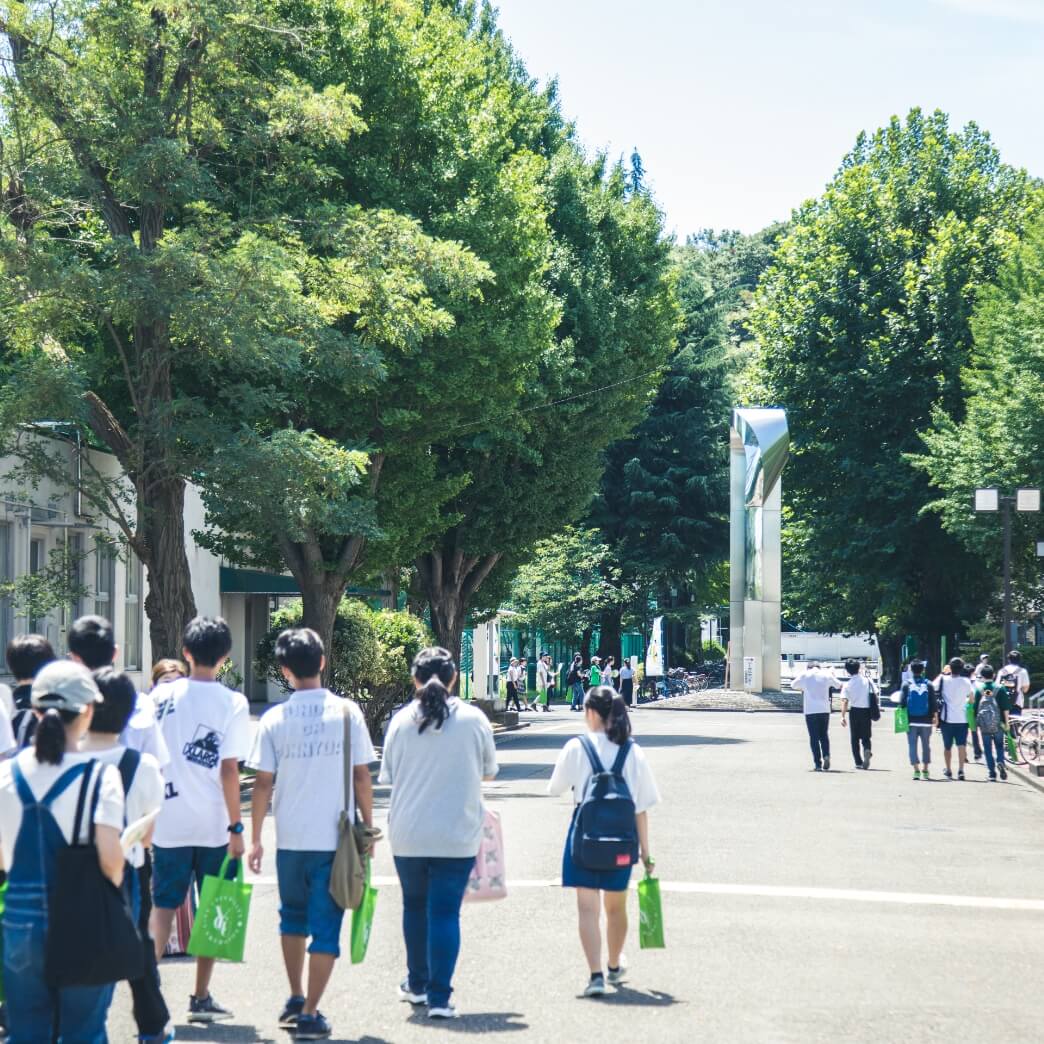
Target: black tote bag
(92,939)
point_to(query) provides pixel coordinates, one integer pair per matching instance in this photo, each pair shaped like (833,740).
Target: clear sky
(741,109)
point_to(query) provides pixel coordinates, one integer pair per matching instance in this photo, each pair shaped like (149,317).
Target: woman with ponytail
(437,752)
(41,791)
(608,738)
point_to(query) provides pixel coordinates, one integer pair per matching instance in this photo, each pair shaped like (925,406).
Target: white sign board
(748,672)
(654,654)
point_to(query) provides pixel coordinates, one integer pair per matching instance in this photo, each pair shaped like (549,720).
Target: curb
(1027,777)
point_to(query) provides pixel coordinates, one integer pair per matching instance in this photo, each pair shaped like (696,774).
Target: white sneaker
(614,978)
(596,986)
(449,1012)
(407,995)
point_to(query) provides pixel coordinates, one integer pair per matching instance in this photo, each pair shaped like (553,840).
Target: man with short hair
(856,703)
(992,708)
(1015,678)
(919,699)
(92,642)
(575,681)
(207,731)
(301,743)
(815,685)
(26,654)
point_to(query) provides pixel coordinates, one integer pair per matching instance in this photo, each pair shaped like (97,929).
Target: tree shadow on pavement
(473,1022)
(555,741)
(639,998)
(214,1033)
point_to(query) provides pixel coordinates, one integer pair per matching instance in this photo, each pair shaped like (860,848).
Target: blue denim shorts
(575,876)
(305,904)
(954,733)
(173,870)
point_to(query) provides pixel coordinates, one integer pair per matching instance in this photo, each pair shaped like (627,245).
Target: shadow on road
(624,995)
(556,741)
(215,1032)
(473,1022)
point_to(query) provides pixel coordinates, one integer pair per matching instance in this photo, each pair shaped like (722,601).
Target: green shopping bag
(362,919)
(650,914)
(3,903)
(902,719)
(219,930)
(1009,742)
(969,715)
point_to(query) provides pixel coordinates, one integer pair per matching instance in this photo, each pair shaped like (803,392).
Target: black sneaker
(826,764)
(866,760)
(960,775)
(206,1010)
(947,773)
(1003,773)
(312,1027)
(291,1011)
(859,765)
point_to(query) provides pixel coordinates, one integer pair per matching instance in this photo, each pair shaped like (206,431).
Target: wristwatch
(236,828)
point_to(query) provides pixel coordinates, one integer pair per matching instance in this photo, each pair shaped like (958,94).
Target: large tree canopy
(863,327)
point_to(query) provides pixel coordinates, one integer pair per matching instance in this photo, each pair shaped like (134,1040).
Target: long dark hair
(609,705)
(49,742)
(434,669)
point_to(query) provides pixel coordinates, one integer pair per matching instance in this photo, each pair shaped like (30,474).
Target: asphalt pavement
(798,906)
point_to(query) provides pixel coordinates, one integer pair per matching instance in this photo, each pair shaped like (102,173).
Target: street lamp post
(990,501)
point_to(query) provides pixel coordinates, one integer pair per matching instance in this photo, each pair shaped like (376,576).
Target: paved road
(804,907)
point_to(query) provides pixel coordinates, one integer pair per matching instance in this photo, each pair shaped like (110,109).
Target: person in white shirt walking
(1015,678)
(954,692)
(514,675)
(301,743)
(207,730)
(816,685)
(857,705)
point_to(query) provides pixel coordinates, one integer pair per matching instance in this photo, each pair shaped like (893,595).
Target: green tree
(863,328)
(536,469)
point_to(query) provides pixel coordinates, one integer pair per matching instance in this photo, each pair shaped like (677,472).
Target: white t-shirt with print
(301,742)
(815,685)
(203,724)
(955,693)
(143,733)
(7,737)
(857,691)
(40,779)
(145,794)
(573,770)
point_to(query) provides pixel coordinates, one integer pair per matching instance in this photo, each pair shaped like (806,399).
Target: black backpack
(605,834)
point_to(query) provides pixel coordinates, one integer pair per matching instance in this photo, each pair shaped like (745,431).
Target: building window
(77,579)
(6,576)
(37,562)
(132,615)
(104,577)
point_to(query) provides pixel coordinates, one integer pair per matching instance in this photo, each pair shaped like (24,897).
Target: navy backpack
(605,833)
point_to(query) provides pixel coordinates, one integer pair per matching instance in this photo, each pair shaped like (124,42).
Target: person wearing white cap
(41,791)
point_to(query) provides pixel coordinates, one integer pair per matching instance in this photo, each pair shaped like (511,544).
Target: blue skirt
(574,876)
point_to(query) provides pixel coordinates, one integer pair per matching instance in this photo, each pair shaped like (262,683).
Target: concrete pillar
(737,555)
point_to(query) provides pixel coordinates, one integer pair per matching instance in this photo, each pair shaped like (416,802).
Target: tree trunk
(320,597)
(891,650)
(611,641)
(169,604)
(585,646)
(447,621)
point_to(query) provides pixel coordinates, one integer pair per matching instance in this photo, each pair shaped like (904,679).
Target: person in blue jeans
(437,752)
(575,679)
(40,792)
(992,707)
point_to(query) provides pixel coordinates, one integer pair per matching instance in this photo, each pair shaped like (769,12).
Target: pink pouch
(488,879)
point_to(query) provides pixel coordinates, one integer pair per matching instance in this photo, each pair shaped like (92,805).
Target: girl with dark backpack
(613,789)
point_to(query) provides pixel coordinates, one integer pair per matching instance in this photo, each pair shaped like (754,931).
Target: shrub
(713,652)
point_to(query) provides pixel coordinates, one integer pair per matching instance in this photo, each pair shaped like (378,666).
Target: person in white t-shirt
(514,681)
(857,698)
(1016,679)
(608,736)
(43,792)
(954,692)
(143,796)
(301,743)
(816,685)
(207,730)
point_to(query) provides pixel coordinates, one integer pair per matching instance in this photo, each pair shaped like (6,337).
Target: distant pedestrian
(610,675)
(919,699)
(984,662)
(552,681)
(437,752)
(575,681)
(167,671)
(514,676)
(857,695)
(594,676)
(299,751)
(26,656)
(627,683)
(815,684)
(991,717)
(523,683)
(954,692)
(543,681)
(207,731)
(969,673)
(1015,678)
(607,747)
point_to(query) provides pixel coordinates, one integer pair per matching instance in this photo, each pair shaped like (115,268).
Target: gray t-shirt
(436,779)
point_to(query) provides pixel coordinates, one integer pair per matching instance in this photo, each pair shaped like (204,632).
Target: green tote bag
(969,716)
(650,914)
(902,719)
(362,919)
(219,930)
(1009,742)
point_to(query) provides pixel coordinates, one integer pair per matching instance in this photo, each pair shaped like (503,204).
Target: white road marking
(851,895)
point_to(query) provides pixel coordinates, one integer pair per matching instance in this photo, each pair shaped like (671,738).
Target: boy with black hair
(857,703)
(302,741)
(1015,678)
(26,654)
(992,708)
(207,731)
(143,790)
(920,701)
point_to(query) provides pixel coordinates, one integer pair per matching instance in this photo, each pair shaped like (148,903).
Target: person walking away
(207,730)
(1015,678)
(606,747)
(991,718)
(523,683)
(594,677)
(969,673)
(92,642)
(984,662)
(437,752)
(816,685)
(26,656)
(300,743)
(575,681)
(627,683)
(552,681)
(143,788)
(609,673)
(856,697)
(40,792)
(955,692)
(512,686)
(919,699)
